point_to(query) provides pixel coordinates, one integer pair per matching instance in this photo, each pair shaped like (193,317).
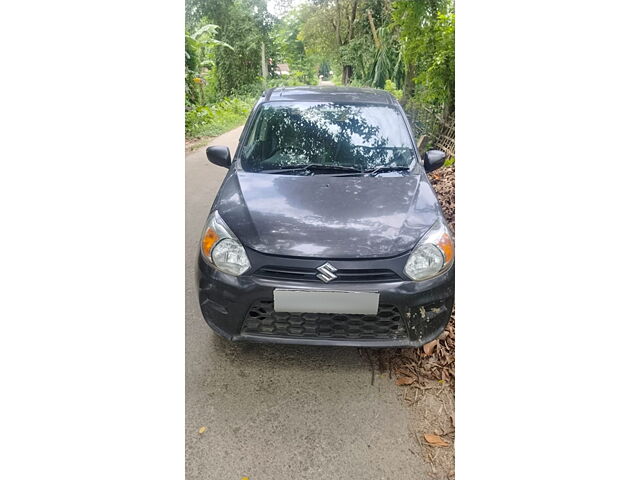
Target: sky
(280,7)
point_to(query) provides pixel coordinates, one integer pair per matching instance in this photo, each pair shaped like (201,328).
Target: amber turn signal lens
(446,245)
(209,239)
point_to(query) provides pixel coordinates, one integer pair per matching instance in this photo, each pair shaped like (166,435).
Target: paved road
(281,412)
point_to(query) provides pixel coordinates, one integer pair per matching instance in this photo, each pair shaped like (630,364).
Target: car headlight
(221,248)
(432,255)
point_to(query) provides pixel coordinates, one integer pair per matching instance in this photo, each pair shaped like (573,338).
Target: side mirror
(433,160)
(220,156)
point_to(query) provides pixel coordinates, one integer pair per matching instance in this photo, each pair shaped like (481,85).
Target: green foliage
(218,118)
(414,57)
(244,24)
(190,70)
(387,63)
(316,31)
(361,54)
(390,87)
(199,54)
(357,83)
(288,46)
(439,77)
(425,118)
(296,78)
(204,38)
(426,31)
(324,69)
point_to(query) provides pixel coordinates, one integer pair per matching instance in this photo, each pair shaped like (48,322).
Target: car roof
(328,94)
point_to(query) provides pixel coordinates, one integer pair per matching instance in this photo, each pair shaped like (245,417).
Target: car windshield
(327,138)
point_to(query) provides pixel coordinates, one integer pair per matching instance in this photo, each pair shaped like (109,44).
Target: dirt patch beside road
(191,144)
(426,375)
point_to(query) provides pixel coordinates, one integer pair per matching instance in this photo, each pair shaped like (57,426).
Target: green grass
(213,120)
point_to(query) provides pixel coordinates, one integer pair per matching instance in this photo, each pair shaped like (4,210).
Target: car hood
(328,216)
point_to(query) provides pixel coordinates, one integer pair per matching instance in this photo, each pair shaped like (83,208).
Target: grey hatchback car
(326,230)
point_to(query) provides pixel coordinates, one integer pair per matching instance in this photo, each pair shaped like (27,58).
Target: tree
(426,31)
(290,48)
(403,46)
(199,54)
(329,30)
(343,26)
(387,61)
(245,24)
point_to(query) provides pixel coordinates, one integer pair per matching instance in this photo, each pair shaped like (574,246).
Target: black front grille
(262,320)
(344,275)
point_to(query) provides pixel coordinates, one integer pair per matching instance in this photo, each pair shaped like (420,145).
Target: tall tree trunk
(347,70)
(338,39)
(347,73)
(376,40)
(409,85)
(352,18)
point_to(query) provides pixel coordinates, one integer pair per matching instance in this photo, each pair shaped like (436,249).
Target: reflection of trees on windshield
(327,134)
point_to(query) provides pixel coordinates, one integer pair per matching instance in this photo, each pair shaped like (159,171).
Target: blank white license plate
(304,301)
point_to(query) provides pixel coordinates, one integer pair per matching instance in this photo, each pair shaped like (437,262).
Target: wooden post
(265,73)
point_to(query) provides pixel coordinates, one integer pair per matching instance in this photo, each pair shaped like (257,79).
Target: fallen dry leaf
(435,440)
(403,372)
(444,183)
(430,347)
(405,380)
(202,429)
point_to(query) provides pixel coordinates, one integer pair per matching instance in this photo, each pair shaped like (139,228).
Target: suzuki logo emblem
(326,272)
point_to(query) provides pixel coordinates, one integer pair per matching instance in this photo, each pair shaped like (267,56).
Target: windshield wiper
(314,167)
(383,168)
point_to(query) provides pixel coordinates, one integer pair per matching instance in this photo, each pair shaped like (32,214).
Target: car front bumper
(240,309)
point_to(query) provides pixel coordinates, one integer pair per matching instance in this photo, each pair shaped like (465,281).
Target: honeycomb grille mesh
(263,321)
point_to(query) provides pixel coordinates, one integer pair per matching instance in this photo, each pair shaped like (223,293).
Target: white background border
(546,240)
(92,195)
(92,257)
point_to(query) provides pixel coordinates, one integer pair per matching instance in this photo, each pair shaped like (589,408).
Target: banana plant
(204,42)
(387,64)
(198,54)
